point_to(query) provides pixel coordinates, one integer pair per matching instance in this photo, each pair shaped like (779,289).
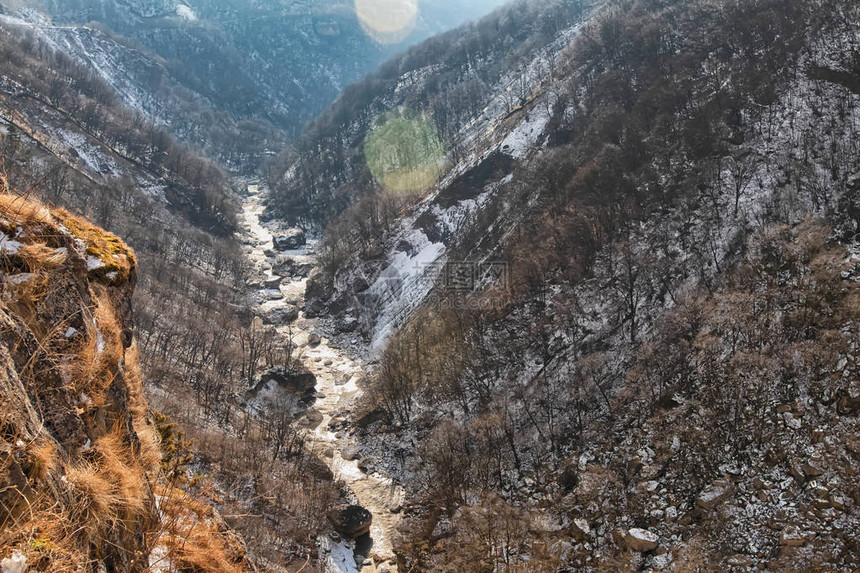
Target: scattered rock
(580,529)
(273,283)
(347,324)
(791,537)
(715,494)
(671,513)
(351,521)
(314,339)
(290,240)
(811,470)
(350,454)
(272,294)
(838,502)
(641,540)
(740,561)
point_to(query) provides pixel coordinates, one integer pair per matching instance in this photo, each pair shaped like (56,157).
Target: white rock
(671,513)
(715,494)
(15,564)
(581,528)
(641,540)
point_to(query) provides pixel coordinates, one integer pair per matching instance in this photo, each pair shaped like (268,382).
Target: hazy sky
(394,21)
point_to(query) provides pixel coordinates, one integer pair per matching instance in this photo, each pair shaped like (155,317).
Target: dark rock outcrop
(319,289)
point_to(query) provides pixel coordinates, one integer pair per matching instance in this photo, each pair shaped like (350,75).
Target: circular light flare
(387,21)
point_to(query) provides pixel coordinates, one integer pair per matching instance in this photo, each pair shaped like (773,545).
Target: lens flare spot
(404,154)
(387,21)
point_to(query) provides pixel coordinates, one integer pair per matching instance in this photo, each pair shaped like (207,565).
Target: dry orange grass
(118,462)
(25,294)
(192,538)
(81,505)
(44,459)
(39,256)
(134,382)
(94,498)
(109,490)
(147,433)
(20,211)
(48,540)
(99,357)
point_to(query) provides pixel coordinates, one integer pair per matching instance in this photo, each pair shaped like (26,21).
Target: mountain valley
(570,287)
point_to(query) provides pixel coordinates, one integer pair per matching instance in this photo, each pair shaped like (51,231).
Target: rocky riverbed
(339,366)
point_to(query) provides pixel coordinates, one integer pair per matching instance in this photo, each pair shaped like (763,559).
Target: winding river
(338,367)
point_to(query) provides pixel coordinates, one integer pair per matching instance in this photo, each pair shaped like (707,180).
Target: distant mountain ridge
(239,79)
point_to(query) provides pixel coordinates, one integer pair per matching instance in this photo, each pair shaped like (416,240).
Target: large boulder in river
(284,266)
(290,240)
(273,282)
(281,316)
(351,521)
(287,266)
(303,270)
(292,379)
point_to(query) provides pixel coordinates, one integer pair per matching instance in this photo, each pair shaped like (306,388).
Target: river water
(338,368)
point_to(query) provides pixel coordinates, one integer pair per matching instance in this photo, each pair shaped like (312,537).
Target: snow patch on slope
(404,284)
(91,156)
(186,13)
(526,136)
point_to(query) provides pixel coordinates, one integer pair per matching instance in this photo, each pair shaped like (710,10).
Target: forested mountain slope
(666,375)
(467,81)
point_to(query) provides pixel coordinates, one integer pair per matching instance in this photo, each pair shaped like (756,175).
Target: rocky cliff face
(79,459)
